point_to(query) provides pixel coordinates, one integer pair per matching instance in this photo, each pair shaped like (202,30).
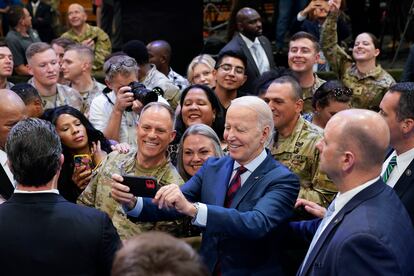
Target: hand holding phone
(142,186)
(83,159)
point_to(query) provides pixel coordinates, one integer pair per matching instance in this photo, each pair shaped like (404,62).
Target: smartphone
(83,159)
(143,186)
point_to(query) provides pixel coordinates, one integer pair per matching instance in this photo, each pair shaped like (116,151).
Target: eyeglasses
(227,68)
(118,65)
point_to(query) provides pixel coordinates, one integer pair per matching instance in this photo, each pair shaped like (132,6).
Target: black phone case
(142,186)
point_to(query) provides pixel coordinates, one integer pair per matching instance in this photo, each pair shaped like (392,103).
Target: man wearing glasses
(230,74)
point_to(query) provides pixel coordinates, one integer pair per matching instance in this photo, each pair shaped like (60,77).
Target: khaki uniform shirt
(309,92)
(88,96)
(103,45)
(368,88)
(64,96)
(298,152)
(98,193)
(155,78)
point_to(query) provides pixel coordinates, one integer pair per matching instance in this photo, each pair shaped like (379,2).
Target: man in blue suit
(240,201)
(366,230)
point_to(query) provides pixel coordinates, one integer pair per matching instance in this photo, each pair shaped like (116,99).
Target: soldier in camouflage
(368,80)
(303,55)
(295,141)
(155,131)
(77,69)
(91,36)
(44,66)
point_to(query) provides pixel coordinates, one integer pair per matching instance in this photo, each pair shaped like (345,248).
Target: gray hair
(261,108)
(197,129)
(33,148)
(297,90)
(119,65)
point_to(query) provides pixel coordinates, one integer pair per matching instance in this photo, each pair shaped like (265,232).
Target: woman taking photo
(84,147)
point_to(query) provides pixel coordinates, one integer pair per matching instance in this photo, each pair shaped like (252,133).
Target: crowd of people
(262,169)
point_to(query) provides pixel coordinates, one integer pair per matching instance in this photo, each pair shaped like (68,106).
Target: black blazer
(6,187)
(405,189)
(42,21)
(237,44)
(43,234)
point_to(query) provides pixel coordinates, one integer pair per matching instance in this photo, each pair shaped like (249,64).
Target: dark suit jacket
(371,235)
(43,234)
(237,44)
(42,21)
(6,187)
(405,189)
(244,238)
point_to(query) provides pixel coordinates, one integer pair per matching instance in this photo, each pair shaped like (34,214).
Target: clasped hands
(167,197)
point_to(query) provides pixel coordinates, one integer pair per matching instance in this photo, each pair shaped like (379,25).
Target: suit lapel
(406,179)
(250,182)
(250,60)
(266,48)
(222,184)
(330,229)
(6,187)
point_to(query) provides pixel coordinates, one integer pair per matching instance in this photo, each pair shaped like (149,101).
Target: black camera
(142,94)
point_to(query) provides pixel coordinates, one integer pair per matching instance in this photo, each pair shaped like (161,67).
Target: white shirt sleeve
(201,218)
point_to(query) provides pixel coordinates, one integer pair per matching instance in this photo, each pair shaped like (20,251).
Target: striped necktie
(390,167)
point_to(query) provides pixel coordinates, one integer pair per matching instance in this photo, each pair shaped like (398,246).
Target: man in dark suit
(397,108)
(239,201)
(256,47)
(40,232)
(12,110)
(42,19)
(366,230)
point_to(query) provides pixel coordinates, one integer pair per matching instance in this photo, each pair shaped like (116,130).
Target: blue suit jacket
(237,44)
(371,235)
(244,237)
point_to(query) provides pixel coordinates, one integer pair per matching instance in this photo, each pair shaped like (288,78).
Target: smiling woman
(80,142)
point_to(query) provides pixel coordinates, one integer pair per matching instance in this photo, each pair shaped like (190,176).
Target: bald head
(76,7)
(159,52)
(249,23)
(12,110)
(363,132)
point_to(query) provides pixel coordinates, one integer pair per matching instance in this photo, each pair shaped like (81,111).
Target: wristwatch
(197,207)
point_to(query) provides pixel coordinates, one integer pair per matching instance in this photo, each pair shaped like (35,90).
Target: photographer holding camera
(115,113)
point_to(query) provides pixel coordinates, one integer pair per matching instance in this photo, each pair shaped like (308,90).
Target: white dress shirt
(260,52)
(403,161)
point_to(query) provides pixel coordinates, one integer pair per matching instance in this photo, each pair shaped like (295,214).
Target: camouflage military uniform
(368,88)
(298,152)
(64,96)
(309,92)
(88,96)
(103,45)
(98,193)
(155,78)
